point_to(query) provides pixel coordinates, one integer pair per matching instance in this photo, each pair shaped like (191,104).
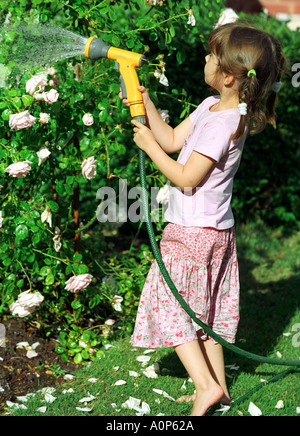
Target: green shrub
(30,258)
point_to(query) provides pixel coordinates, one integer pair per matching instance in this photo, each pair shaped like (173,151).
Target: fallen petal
(22,345)
(279,405)
(164,394)
(145,407)
(223,408)
(143,359)
(42,409)
(150,372)
(120,382)
(86,399)
(35,345)
(131,403)
(68,391)
(48,390)
(107,346)
(133,374)
(69,377)
(83,409)
(49,398)
(31,354)
(23,399)
(16,405)
(254,410)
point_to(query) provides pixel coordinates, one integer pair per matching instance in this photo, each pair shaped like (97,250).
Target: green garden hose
(182,302)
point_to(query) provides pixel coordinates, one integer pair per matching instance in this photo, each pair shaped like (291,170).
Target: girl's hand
(143,91)
(143,136)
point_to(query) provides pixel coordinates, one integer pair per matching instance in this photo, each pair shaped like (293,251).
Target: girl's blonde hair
(241,48)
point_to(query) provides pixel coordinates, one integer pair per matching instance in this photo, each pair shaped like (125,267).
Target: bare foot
(206,398)
(188,398)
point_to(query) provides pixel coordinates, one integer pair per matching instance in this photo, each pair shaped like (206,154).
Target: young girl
(198,245)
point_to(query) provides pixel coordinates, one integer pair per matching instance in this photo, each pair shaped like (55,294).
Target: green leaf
(6,114)
(86,336)
(172,30)
(112,14)
(77,257)
(22,231)
(17,101)
(83,269)
(45,271)
(76,304)
(27,100)
(4,247)
(103,115)
(53,206)
(50,279)
(78,358)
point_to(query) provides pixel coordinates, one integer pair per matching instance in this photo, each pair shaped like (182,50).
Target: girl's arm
(183,176)
(171,140)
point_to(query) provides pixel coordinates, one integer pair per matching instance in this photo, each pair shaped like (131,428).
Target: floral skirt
(202,263)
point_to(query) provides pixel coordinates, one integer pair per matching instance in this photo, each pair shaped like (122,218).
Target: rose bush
(65,134)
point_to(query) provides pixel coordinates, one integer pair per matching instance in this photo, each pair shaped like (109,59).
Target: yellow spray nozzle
(87,46)
(127,62)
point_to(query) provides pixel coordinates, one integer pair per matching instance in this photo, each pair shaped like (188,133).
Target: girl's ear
(229,80)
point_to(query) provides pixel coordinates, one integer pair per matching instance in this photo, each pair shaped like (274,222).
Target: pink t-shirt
(209,203)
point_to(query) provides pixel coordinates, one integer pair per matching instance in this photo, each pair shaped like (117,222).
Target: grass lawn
(270,282)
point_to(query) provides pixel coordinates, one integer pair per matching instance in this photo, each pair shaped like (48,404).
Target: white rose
(43,154)
(36,84)
(88,167)
(18,310)
(47,216)
(44,118)
(19,169)
(57,240)
(88,119)
(26,303)
(77,283)
(163,194)
(117,300)
(227,16)
(192,19)
(22,120)
(29,300)
(51,96)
